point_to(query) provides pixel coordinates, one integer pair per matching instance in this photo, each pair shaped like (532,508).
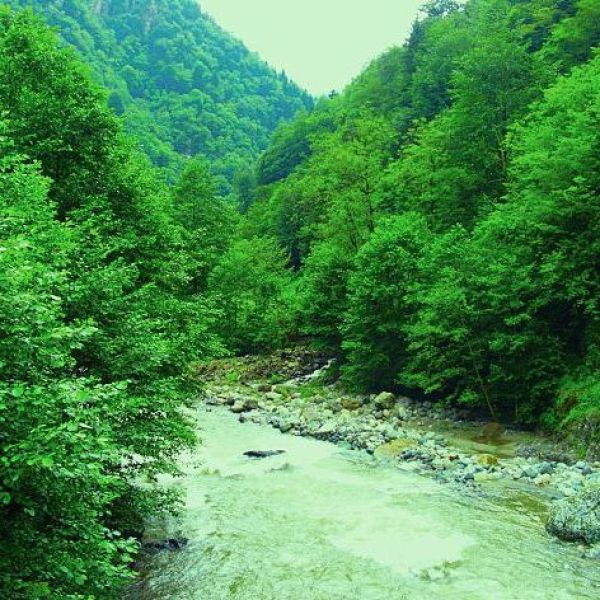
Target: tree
(322,293)
(249,284)
(96,322)
(244,189)
(184,86)
(457,166)
(575,37)
(503,314)
(378,311)
(207,219)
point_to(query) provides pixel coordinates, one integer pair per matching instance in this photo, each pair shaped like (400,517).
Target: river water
(321,523)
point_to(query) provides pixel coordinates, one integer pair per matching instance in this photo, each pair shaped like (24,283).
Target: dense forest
(436,226)
(183,85)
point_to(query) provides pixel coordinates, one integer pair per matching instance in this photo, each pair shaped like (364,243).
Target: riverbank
(290,393)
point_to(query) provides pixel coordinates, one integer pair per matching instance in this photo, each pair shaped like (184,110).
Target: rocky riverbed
(416,436)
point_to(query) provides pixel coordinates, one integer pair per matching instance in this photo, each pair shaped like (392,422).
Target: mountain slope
(183,85)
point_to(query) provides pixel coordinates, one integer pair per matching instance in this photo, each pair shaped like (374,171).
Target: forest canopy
(183,85)
(101,309)
(440,217)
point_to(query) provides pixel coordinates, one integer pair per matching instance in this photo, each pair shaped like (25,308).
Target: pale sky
(321,44)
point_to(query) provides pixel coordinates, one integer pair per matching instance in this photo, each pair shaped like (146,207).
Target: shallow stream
(322,523)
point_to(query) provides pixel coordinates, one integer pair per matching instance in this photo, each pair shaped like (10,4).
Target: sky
(321,44)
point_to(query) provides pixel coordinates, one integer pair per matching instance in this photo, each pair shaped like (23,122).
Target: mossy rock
(486,460)
(351,403)
(577,518)
(385,400)
(394,448)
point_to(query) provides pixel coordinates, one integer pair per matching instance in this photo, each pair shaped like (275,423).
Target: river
(322,523)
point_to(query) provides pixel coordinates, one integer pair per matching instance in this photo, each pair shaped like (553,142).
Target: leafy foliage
(378,301)
(98,318)
(249,284)
(436,225)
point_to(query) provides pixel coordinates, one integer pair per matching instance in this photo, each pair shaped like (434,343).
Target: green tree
(457,166)
(207,219)
(183,85)
(575,37)
(503,315)
(322,293)
(379,309)
(249,284)
(97,325)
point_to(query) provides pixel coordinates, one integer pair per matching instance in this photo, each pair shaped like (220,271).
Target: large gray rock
(328,428)
(577,518)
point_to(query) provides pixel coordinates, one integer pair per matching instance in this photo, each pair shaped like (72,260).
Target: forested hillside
(184,86)
(437,225)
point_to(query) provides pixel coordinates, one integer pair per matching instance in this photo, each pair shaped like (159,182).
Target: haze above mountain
(321,45)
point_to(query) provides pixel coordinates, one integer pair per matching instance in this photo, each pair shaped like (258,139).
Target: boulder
(594,552)
(442,464)
(238,407)
(310,413)
(402,413)
(542,480)
(228,400)
(263,453)
(171,544)
(351,403)
(285,426)
(327,429)
(251,403)
(385,400)
(531,472)
(244,404)
(577,518)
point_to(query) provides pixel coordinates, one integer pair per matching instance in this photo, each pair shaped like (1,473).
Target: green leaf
(47,461)
(17,392)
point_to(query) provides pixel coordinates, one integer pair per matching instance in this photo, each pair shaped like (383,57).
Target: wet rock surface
(168,545)
(577,518)
(263,453)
